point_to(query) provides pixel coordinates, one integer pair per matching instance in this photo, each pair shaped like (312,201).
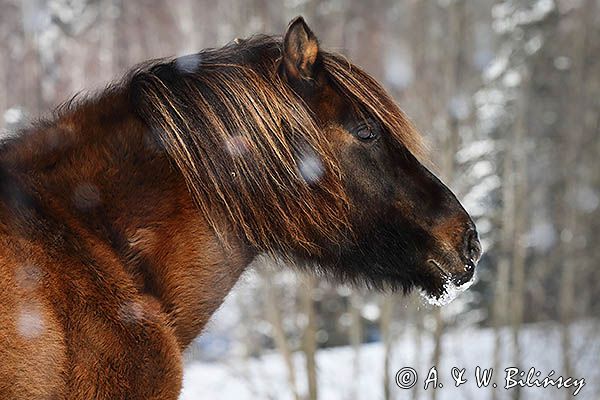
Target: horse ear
(300,50)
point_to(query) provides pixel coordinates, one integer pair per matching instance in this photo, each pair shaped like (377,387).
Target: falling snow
(30,320)
(13,116)
(28,277)
(310,167)
(542,236)
(131,312)
(188,63)
(237,145)
(562,63)
(398,68)
(460,107)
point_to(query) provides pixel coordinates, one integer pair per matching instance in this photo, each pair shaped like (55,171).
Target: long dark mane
(240,135)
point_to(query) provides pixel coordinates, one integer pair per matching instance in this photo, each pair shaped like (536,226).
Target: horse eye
(366,133)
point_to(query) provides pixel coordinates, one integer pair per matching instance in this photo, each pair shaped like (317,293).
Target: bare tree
(310,334)
(454,70)
(385,326)
(356,334)
(274,317)
(576,131)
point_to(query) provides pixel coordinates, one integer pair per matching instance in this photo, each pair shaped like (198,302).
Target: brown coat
(127,218)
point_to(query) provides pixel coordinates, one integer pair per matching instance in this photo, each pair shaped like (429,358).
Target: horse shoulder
(121,344)
(32,341)
(75,327)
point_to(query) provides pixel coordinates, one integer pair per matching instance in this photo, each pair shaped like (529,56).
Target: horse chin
(376,261)
(435,287)
(441,289)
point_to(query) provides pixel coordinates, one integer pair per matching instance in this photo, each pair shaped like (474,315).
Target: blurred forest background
(507,94)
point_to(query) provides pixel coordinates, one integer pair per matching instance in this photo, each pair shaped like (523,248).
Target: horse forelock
(369,96)
(245,142)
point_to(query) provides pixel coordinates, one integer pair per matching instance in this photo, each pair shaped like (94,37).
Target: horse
(128,215)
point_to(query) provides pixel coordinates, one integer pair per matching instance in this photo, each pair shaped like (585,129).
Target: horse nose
(471,255)
(471,248)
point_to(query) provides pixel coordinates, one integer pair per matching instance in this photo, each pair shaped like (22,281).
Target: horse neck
(106,174)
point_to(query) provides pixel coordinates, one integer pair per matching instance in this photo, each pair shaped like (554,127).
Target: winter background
(507,95)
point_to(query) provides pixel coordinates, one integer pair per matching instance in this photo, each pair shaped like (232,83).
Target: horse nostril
(472,248)
(469,266)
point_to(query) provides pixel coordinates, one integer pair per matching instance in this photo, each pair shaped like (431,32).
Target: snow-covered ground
(266,377)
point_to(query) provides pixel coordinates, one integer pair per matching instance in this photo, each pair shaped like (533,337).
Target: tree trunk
(356,334)
(455,64)
(385,322)
(418,318)
(310,333)
(575,134)
(274,317)
(519,250)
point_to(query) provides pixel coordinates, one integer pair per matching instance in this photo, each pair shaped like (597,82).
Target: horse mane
(369,96)
(240,135)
